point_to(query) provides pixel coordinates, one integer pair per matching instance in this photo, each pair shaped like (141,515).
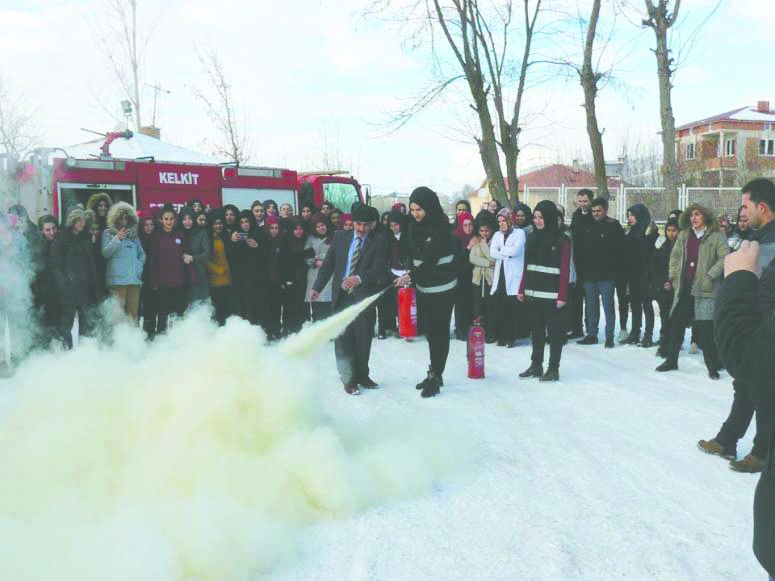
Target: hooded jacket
(92,203)
(73,265)
(710,262)
(125,258)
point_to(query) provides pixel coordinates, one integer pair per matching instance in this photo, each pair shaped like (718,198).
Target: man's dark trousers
(747,400)
(353,346)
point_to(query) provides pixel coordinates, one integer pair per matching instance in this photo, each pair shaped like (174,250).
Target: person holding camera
(125,258)
(746,341)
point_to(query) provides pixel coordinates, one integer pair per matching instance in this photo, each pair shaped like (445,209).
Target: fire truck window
(74,196)
(342,196)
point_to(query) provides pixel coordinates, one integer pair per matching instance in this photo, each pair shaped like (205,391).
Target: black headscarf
(642,219)
(187,211)
(434,219)
(528,214)
(543,242)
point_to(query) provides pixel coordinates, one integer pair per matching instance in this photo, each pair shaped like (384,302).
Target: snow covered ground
(595,477)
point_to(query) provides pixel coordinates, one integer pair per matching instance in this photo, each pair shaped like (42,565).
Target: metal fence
(720,200)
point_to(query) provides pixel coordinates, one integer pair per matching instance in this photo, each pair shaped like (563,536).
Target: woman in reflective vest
(432,253)
(544,288)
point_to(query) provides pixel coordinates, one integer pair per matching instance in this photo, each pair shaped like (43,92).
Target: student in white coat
(508,249)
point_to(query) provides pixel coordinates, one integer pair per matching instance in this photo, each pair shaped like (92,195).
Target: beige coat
(484,263)
(710,264)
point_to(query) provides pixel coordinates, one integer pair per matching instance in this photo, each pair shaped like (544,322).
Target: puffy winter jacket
(125,258)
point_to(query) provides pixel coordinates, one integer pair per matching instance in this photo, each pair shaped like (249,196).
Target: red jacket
(167,268)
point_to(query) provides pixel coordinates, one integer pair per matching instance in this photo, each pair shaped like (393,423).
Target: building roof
(748,113)
(139,146)
(557,174)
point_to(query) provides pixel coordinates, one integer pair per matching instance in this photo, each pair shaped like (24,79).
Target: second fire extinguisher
(476,341)
(407,313)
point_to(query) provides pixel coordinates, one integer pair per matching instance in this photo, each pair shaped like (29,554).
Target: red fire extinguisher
(407,313)
(476,350)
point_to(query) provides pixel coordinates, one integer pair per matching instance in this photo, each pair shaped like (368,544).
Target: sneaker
(550,375)
(588,340)
(694,349)
(609,343)
(623,334)
(713,446)
(532,372)
(750,464)
(714,374)
(575,335)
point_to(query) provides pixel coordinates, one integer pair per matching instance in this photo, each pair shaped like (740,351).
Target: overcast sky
(310,76)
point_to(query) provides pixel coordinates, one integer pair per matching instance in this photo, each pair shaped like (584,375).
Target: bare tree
(590,78)
(119,41)
(219,104)
(660,18)
(17,135)
(478,37)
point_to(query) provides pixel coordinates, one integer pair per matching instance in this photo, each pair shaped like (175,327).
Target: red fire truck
(51,184)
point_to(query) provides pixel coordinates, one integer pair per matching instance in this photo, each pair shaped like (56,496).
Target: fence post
(563,196)
(683,198)
(527,196)
(621,206)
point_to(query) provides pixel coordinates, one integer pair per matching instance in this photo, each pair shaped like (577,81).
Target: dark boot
(432,385)
(631,339)
(552,374)
(668,365)
(646,342)
(533,371)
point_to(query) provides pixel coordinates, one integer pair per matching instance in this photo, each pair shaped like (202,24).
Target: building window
(730,147)
(767,147)
(690,152)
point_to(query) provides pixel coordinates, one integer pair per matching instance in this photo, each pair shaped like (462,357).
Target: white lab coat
(512,256)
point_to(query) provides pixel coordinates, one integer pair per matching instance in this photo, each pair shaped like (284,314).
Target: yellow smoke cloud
(199,456)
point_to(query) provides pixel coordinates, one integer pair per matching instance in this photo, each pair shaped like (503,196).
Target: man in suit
(358,261)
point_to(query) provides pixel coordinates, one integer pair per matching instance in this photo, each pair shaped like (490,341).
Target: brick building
(729,148)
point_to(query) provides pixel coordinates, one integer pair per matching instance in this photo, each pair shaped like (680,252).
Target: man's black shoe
(588,340)
(668,366)
(609,343)
(532,371)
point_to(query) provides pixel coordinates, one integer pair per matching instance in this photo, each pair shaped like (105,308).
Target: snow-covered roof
(739,114)
(139,146)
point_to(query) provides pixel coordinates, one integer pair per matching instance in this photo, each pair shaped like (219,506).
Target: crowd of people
(522,273)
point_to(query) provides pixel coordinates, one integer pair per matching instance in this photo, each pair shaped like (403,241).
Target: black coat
(659,272)
(73,264)
(372,265)
(602,245)
(578,225)
(44,286)
(746,341)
